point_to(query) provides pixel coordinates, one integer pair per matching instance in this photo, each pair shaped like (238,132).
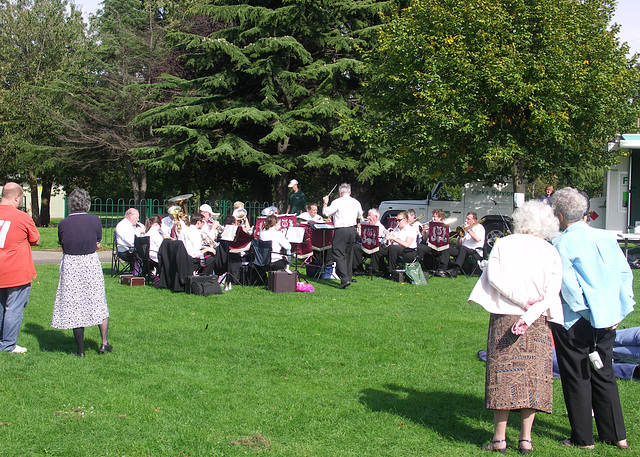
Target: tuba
(179,211)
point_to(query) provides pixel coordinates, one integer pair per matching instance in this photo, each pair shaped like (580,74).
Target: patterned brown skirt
(519,368)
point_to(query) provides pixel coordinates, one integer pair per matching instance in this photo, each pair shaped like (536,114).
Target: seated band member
(126,232)
(211,227)
(440,255)
(311,214)
(168,226)
(192,239)
(243,222)
(472,243)
(279,243)
(373,218)
(411,214)
(401,245)
(152,226)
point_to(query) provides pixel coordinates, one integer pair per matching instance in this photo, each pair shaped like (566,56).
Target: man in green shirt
(297,201)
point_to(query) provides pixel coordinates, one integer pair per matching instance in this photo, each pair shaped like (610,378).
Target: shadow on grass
(54,340)
(437,410)
(449,414)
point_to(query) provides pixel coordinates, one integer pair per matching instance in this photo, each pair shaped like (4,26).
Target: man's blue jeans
(13,301)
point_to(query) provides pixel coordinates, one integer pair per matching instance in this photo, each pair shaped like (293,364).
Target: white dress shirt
(409,231)
(470,243)
(191,237)
(278,241)
(126,233)
(155,240)
(345,210)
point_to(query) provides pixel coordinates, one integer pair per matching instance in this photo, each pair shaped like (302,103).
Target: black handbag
(202,285)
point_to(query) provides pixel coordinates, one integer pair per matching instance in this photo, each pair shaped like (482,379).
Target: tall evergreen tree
(269,83)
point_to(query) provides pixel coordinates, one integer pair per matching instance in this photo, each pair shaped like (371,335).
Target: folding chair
(118,264)
(141,266)
(261,258)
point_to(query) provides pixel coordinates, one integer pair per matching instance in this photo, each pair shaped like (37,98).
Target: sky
(627,15)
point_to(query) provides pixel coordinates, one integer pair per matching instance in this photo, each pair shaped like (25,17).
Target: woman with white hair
(520,288)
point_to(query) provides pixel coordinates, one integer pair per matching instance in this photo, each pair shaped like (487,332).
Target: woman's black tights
(78,334)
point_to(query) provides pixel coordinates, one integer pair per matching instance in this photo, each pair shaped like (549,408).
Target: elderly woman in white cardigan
(520,288)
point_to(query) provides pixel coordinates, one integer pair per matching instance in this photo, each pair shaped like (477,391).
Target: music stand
(239,243)
(321,240)
(369,239)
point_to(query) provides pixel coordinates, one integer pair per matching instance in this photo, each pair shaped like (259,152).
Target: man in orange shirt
(17,234)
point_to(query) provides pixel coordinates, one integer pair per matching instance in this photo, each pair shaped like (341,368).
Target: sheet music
(323,226)
(229,232)
(295,234)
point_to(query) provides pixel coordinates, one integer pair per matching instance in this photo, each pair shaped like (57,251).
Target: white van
(492,203)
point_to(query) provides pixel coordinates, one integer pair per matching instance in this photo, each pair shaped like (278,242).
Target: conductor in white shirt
(345,211)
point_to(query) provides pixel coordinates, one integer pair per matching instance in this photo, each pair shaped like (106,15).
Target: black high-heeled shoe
(522,450)
(492,447)
(105,348)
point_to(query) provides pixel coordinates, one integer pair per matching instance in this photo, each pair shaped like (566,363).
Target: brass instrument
(460,231)
(179,211)
(240,214)
(416,219)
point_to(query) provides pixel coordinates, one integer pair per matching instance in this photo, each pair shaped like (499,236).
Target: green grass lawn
(378,369)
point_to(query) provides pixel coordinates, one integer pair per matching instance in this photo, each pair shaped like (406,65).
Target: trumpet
(416,219)
(460,231)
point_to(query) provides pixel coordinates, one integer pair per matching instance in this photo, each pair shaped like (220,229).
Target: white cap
(293,182)
(269,211)
(206,208)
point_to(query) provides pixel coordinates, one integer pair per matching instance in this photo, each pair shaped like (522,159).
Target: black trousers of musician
(344,239)
(378,262)
(585,388)
(461,253)
(205,270)
(441,256)
(399,255)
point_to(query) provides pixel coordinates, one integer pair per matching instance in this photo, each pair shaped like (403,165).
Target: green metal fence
(111,211)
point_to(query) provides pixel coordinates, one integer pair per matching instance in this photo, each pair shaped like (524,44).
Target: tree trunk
(282,191)
(35,205)
(45,201)
(133,179)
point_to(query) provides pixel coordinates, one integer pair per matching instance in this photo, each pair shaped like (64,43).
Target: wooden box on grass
(281,281)
(130,280)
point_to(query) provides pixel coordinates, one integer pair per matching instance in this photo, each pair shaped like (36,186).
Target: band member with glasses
(400,246)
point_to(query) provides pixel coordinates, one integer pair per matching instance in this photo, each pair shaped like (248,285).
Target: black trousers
(398,255)
(344,239)
(442,256)
(585,388)
(461,253)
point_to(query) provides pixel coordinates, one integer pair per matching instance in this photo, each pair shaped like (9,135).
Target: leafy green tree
(463,89)
(38,40)
(267,85)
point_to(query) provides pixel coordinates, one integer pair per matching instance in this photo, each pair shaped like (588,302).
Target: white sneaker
(19,349)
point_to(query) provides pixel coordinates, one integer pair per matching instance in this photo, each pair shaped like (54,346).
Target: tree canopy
(463,89)
(269,83)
